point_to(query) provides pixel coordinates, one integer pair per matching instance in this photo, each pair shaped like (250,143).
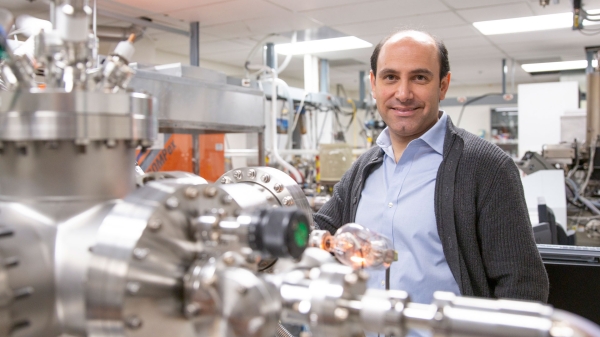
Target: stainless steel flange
(281,186)
(145,247)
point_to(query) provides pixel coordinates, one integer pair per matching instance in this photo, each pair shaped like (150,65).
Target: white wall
(476,118)
(540,108)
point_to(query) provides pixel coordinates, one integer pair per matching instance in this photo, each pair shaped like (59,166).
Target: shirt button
(382,283)
(390,205)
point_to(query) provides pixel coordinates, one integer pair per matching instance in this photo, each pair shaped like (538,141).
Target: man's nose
(404,91)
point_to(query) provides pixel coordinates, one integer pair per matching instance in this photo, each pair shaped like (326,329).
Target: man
(451,202)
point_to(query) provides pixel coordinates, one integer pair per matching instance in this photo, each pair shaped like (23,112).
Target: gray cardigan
(481,217)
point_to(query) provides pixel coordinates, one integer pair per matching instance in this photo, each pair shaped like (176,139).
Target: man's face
(407,86)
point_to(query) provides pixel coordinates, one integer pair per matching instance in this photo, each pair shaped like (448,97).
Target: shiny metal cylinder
(49,170)
(54,114)
(65,159)
(73,145)
(593,108)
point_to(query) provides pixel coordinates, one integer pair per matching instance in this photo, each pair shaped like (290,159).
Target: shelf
(505,142)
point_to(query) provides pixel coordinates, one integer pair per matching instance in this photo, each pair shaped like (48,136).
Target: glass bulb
(356,246)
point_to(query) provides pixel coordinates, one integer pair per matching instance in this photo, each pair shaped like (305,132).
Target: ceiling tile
(209,48)
(228,30)
(375,11)
(461,4)
(465,30)
(385,27)
(161,6)
(286,22)
(229,11)
(306,5)
(496,12)
(467,42)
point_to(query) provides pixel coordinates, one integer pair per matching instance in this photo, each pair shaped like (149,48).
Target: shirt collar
(434,137)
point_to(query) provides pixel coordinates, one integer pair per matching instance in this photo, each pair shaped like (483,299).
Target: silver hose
(566,324)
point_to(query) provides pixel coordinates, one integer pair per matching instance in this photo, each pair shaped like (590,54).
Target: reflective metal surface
(136,275)
(193,104)
(281,186)
(54,114)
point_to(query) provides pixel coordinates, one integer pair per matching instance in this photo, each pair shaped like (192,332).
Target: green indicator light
(301,234)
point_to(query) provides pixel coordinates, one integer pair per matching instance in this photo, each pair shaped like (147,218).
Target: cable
(471,101)
(589,34)
(577,158)
(590,167)
(288,58)
(322,127)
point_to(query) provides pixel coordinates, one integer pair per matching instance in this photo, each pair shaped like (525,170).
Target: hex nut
(210,191)
(155,225)
(225,180)
(227,199)
(278,187)
(172,202)
(191,192)
(251,173)
(288,201)
(237,174)
(265,178)
(141,253)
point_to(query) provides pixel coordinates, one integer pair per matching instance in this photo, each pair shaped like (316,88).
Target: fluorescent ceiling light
(557,66)
(531,23)
(321,46)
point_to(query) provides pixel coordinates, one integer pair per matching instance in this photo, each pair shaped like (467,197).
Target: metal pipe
(504,70)
(195,43)
(53,13)
(118,33)
(362,90)
(196,153)
(324,76)
(270,56)
(261,148)
(589,55)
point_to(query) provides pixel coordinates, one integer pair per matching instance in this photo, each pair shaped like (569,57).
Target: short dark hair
(441,47)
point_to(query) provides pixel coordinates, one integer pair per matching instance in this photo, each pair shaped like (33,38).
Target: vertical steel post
(261,148)
(361,88)
(504,69)
(589,55)
(195,43)
(271,56)
(324,76)
(195,61)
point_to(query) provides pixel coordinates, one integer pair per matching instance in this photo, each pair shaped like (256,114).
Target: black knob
(279,232)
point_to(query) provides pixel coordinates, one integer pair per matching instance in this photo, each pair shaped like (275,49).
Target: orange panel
(212,156)
(177,155)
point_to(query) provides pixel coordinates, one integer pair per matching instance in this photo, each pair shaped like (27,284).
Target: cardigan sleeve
(510,256)
(330,216)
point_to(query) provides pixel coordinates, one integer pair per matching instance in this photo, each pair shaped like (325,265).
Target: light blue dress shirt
(398,202)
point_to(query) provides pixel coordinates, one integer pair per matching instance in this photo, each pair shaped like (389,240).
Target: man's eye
(389,77)
(420,78)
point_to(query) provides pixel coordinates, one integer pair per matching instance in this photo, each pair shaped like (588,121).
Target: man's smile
(404,110)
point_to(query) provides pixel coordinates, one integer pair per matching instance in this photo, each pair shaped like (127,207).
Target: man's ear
(444,85)
(372,78)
